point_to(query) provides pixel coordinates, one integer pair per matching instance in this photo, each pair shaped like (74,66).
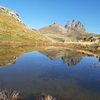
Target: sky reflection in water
(35,73)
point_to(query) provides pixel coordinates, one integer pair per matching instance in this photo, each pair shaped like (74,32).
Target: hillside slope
(12,29)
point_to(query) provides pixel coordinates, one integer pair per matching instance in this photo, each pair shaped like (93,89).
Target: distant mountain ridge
(72,32)
(13,29)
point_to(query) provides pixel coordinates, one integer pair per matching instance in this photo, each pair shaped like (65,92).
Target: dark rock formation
(75,24)
(91,39)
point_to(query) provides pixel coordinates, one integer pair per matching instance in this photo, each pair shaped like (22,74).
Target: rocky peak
(75,24)
(68,25)
(58,26)
(10,13)
(55,24)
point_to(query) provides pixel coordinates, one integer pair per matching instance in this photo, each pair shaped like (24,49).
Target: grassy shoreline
(88,49)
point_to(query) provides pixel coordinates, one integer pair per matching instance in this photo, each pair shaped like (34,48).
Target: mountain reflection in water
(71,57)
(47,70)
(10,54)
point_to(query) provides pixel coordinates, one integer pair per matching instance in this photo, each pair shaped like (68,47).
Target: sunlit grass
(10,30)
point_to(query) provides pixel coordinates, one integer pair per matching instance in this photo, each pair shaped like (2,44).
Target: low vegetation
(9,95)
(11,30)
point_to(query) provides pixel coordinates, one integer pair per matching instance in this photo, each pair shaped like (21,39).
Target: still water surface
(65,74)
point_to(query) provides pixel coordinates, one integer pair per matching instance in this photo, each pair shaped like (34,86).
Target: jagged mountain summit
(75,24)
(72,32)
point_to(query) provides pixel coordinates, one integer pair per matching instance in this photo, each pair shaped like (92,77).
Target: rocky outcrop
(14,30)
(75,24)
(91,39)
(10,13)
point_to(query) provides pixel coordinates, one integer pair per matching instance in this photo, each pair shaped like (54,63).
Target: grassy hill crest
(12,29)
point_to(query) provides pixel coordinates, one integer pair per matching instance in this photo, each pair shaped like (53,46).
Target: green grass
(10,30)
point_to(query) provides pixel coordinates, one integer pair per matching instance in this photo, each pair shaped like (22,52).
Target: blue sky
(40,13)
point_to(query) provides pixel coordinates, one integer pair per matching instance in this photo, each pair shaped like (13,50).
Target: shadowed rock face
(75,24)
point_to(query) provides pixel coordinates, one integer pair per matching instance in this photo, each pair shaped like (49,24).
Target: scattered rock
(91,39)
(11,13)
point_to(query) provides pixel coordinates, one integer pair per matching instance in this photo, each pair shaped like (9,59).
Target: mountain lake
(65,74)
